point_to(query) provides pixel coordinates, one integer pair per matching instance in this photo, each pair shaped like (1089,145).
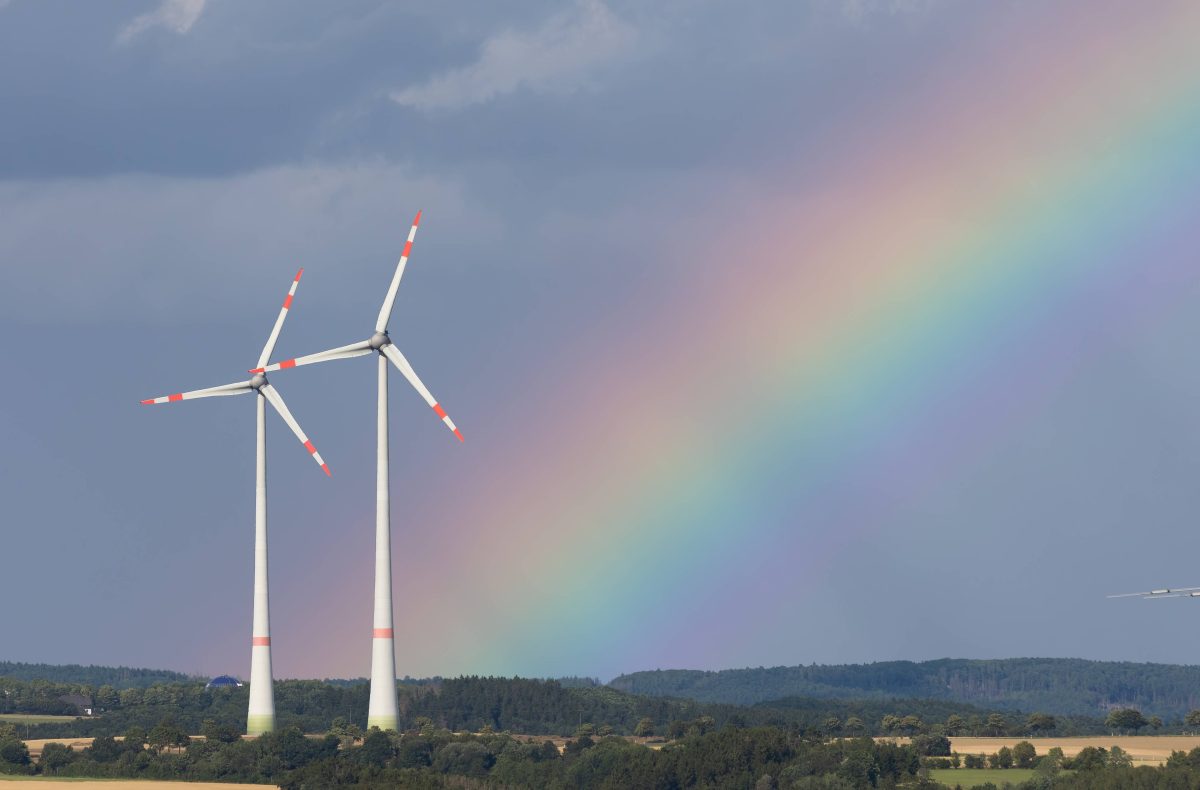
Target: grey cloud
(558,56)
(177,16)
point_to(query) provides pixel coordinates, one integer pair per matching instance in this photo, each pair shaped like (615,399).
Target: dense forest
(1062,686)
(96,676)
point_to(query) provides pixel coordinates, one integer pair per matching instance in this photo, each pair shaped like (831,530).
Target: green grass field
(973,777)
(32,718)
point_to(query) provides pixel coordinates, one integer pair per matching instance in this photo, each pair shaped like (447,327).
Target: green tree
(1039,723)
(107,697)
(1024,754)
(833,725)
(1119,758)
(1156,723)
(55,756)
(222,733)
(104,749)
(1129,719)
(166,733)
(996,724)
(911,724)
(1193,718)
(1090,758)
(644,728)
(1004,757)
(955,725)
(14,757)
(855,725)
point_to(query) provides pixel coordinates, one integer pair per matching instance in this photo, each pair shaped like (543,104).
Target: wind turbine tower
(382,711)
(260,717)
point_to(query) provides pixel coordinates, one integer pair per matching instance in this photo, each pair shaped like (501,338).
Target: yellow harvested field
(1144,749)
(36,745)
(121,784)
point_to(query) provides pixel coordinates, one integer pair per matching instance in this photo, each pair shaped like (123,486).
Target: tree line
(1064,686)
(538,707)
(426,756)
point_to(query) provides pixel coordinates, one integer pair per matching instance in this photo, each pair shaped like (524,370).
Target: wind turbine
(1165,592)
(260,716)
(382,711)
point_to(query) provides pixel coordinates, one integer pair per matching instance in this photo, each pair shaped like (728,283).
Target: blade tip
(299,273)
(325,468)
(417,219)
(148,402)
(256,370)
(458,433)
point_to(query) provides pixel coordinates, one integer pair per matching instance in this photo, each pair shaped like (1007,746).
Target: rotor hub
(258,381)
(379,340)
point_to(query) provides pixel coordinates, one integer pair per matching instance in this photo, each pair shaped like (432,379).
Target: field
(973,777)
(1144,749)
(33,718)
(119,784)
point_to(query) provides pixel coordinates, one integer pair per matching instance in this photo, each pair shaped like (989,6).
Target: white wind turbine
(382,711)
(260,717)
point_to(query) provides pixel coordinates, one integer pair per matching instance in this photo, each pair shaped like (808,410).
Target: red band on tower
(382,633)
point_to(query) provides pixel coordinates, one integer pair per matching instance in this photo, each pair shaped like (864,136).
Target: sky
(827,332)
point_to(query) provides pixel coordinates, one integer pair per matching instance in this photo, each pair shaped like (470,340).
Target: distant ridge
(1069,686)
(91,675)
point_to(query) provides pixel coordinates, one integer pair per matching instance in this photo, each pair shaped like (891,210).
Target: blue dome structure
(223,681)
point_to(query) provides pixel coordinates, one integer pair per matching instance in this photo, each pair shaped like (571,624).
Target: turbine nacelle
(379,340)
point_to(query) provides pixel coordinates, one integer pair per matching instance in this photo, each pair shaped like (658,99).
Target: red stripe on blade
(407,249)
(176,396)
(287,302)
(148,402)
(382,633)
(261,641)
(309,446)
(437,407)
(256,370)
(326,468)
(288,363)
(459,435)
(298,275)
(417,221)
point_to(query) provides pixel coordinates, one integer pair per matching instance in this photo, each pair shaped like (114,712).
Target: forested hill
(1056,685)
(117,677)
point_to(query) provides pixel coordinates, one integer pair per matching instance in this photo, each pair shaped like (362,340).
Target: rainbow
(729,442)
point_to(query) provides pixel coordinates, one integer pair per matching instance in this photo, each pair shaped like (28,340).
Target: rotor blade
(385,312)
(265,356)
(1166,592)
(238,388)
(342,352)
(393,353)
(275,399)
